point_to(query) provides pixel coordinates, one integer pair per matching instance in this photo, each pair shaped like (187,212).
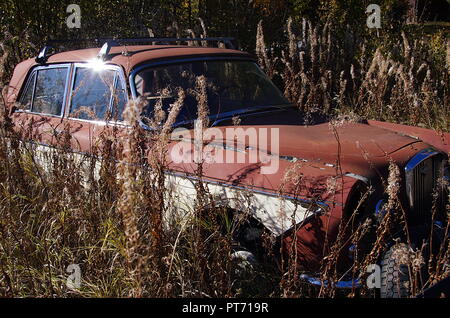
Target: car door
(41,104)
(97,100)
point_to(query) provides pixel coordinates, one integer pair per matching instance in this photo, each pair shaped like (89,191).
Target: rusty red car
(47,91)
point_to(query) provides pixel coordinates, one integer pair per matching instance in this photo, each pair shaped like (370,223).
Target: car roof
(126,56)
(130,56)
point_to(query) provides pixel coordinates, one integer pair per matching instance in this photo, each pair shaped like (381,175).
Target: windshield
(231,86)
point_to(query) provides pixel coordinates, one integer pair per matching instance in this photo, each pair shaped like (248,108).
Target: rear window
(44,92)
(49,91)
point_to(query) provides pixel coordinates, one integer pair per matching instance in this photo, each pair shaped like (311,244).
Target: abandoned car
(322,174)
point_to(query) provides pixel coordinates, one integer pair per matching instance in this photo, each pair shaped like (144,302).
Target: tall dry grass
(330,72)
(108,212)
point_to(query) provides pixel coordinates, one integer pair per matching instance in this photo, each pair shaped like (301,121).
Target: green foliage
(25,25)
(438,48)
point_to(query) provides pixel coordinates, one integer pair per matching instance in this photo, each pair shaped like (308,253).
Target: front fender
(312,240)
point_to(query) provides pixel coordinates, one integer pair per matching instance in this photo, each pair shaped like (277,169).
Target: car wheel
(395,278)
(245,262)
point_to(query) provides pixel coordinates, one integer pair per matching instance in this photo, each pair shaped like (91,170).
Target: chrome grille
(422,174)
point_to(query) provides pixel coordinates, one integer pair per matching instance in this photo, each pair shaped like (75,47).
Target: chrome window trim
(36,69)
(111,98)
(118,71)
(99,122)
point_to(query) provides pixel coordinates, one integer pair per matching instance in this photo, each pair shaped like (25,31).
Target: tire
(394,277)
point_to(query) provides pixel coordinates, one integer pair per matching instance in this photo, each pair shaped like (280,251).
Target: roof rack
(107,43)
(226,40)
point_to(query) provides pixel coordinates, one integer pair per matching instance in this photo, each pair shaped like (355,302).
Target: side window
(27,94)
(91,94)
(44,91)
(49,91)
(119,100)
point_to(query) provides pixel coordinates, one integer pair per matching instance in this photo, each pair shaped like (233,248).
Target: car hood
(349,140)
(356,147)
(353,147)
